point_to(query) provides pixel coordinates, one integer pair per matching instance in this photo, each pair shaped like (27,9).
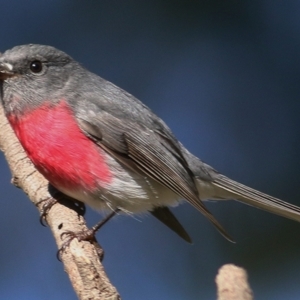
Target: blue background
(225,77)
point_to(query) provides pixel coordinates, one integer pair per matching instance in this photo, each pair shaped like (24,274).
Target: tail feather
(257,199)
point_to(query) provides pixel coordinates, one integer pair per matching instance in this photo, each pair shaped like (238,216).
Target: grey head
(30,74)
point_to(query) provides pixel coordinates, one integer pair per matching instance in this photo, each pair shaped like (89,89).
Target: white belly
(128,191)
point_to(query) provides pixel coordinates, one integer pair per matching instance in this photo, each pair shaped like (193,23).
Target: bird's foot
(86,235)
(48,203)
(58,196)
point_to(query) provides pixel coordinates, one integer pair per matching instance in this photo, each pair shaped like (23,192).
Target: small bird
(100,145)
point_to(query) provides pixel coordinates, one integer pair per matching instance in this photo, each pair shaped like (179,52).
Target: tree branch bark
(81,261)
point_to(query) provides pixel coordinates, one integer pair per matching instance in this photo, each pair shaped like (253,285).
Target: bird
(99,145)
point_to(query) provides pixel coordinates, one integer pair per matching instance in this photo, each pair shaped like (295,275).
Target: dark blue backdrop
(225,77)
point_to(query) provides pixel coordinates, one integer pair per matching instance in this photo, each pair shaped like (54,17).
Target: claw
(78,206)
(45,209)
(86,235)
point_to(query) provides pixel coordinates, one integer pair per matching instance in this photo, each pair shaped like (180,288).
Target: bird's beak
(6,70)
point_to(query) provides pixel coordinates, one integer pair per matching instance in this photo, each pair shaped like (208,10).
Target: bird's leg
(57,196)
(87,235)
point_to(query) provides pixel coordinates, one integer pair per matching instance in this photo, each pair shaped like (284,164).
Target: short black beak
(6,70)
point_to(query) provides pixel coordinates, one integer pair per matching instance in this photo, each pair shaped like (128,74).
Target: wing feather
(154,152)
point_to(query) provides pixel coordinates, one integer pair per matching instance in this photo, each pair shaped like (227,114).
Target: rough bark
(232,284)
(80,260)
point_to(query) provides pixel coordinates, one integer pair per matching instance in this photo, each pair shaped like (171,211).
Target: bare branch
(81,261)
(232,284)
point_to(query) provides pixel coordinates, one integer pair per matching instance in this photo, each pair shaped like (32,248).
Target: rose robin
(100,145)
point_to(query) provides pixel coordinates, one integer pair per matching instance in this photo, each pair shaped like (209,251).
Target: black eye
(36,66)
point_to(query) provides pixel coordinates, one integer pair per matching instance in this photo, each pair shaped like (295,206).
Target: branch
(81,261)
(232,284)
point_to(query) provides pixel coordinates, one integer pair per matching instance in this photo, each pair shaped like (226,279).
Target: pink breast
(59,149)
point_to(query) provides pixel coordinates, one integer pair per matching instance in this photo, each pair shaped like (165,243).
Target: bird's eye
(36,66)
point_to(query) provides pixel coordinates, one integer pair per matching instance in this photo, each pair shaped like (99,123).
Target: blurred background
(224,75)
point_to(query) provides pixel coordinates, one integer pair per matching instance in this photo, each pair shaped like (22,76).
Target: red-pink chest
(59,149)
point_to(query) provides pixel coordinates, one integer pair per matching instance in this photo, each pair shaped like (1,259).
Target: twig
(232,284)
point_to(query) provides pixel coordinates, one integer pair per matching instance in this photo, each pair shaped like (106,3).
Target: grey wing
(153,151)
